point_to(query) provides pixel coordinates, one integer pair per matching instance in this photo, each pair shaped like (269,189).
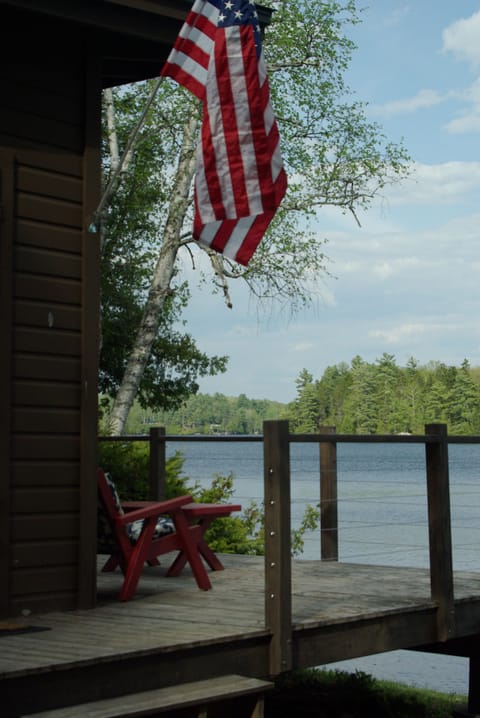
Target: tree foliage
(209,414)
(383,398)
(359,398)
(175,362)
(131,239)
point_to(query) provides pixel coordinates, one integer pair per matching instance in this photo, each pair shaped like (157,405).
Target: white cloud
(422,100)
(396,17)
(395,335)
(464,125)
(473,93)
(327,295)
(415,331)
(302,347)
(437,184)
(384,270)
(468,120)
(461,38)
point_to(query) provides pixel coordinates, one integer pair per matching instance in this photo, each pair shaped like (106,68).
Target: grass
(337,694)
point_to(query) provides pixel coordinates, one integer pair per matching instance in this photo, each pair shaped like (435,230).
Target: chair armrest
(132,505)
(199,511)
(154,508)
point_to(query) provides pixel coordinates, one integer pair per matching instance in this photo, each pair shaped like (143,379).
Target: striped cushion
(105,538)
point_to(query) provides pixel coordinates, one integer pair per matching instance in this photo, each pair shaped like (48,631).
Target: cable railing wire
(306,470)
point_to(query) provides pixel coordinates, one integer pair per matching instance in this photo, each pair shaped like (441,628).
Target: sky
(407,281)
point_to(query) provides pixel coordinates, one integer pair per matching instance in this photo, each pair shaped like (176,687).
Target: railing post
(278,569)
(439,528)
(158,486)
(328,497)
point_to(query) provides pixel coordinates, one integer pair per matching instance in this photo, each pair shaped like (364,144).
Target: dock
(171,633)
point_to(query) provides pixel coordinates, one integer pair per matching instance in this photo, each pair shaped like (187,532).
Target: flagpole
(97,215)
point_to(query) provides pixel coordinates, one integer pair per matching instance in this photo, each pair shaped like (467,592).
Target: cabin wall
(49,187)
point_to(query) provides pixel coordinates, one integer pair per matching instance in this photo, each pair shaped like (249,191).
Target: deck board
(168,614)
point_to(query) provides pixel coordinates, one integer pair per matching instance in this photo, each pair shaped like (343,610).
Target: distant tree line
(383,398)
(209,414)
(362,397)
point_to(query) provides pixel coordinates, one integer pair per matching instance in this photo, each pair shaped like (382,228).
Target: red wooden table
(202,515)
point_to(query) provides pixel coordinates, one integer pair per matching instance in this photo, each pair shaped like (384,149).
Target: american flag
(239,180)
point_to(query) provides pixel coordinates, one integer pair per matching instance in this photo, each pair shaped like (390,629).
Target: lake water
(382,513)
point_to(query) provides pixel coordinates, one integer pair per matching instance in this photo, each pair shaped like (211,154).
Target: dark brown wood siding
(47,150)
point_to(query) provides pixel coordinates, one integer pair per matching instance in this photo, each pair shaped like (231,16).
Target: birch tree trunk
(119,164)
(160,286)
(111,128)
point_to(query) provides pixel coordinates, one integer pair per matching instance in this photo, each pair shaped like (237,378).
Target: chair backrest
(109,506)
(112,538)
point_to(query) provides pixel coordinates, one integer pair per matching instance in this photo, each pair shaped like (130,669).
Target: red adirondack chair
(135,537)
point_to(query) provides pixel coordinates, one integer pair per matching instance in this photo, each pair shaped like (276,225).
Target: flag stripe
(252,238)
(188,63)
(189,78)
(211,154)
(230,87)
(246,112)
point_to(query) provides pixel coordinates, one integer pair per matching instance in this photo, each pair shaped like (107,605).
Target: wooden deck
(172,632)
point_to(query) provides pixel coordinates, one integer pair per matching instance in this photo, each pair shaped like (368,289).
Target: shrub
(334,694)
(128,462)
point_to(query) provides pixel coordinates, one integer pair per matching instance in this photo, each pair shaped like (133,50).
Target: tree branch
(219,270)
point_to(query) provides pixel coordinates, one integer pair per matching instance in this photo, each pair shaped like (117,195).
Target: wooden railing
(277,497)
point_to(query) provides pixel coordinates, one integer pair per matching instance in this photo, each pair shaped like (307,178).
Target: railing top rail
(366,438)
(303,438)
(125,437)
(187,437)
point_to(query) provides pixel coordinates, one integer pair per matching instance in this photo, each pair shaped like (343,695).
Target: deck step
(197,694)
